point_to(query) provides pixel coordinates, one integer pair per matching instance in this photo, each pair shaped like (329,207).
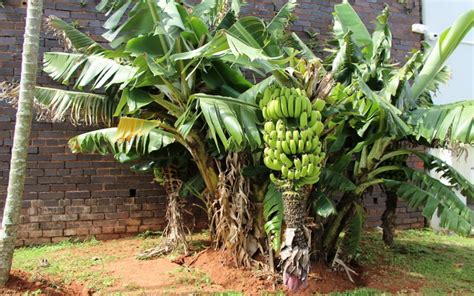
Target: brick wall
(81,195)
(69,195)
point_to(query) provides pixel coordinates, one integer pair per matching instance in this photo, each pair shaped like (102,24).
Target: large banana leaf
(444,123)
(278,24)
(140,21)
(445,46)
(355,228)
(132,139)
(78,107)
(424,191)
(79,40)
(273,214)
(346,19)
(447,173)
(95,70)
(387,112)
(224,118)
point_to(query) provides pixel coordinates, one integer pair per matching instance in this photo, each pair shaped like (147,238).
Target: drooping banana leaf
(79,40)
(422,190)
(450,123)
(96,71)
(77,107)
(230,120)
(132,139)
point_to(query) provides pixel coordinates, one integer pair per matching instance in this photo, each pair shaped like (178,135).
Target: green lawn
(445,263)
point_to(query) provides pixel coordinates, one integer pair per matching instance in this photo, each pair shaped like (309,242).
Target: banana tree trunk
(11,215)
(389,216)
(294,254)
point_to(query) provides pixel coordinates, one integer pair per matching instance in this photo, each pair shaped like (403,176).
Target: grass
(444,262)
(63,265)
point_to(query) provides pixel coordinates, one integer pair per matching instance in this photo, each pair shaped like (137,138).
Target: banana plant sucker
(293,151)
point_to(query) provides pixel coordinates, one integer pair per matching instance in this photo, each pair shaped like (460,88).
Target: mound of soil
(21,283)
(221,269)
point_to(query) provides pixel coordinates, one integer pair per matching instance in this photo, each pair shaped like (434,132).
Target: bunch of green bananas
(291,133)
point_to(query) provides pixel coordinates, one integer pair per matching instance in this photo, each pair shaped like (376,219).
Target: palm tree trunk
(11,215)
(388,217)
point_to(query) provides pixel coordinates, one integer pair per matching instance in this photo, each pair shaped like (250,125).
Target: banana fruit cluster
(291,133)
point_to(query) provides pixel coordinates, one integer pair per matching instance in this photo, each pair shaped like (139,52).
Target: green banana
(269,126)
(289,136)
(273,135)
(304,171)
(308,145)
(304,135)
(318,128)
(278,146)
(284,106)
(280,125)
(309,106)
(303,120)
(298,102)
(285,147)
(305,159)
(284,170)
(297,174)
(293,147)
(319,104)
(301,146)
(266,138)
(297,163)
(310,169)
(278,111)
(285,160)
(291,106)
(291,174)
(273,143)
(296,135)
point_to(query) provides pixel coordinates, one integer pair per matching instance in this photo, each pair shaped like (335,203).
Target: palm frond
(273,214)
(76,107)
(444,123)
(95,70)
(422,190)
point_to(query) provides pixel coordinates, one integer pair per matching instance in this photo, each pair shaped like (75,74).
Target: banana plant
(376,109)
(169,74)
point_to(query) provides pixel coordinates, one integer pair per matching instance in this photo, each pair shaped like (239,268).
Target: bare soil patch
(204,272)
(21,283)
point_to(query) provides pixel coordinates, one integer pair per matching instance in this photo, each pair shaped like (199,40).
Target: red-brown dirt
(207,272)
(20,282)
